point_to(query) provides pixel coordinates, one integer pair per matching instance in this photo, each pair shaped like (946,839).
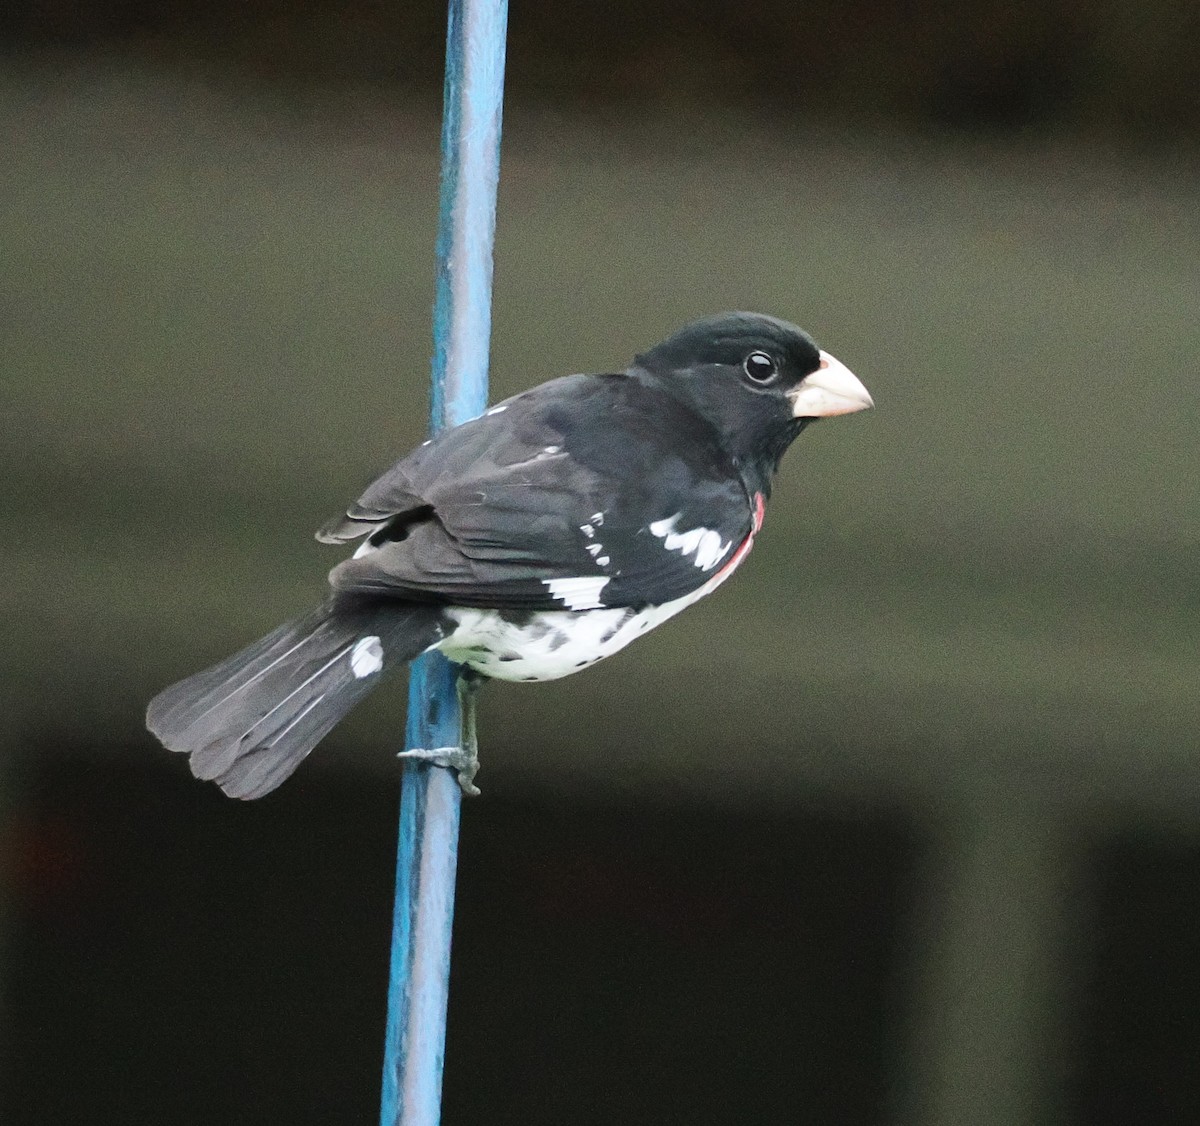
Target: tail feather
(250,720)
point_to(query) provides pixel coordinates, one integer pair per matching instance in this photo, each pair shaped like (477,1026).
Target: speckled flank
(555,643)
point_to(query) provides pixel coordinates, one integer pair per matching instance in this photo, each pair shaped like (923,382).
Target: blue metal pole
(429,806)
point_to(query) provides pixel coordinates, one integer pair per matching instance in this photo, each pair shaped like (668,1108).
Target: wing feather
(586,477)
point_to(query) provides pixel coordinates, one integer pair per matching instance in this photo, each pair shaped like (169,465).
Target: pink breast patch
(756,522)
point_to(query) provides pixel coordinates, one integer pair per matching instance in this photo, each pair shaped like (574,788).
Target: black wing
(592,490)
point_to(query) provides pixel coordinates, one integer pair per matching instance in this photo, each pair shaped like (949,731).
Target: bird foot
(465,763)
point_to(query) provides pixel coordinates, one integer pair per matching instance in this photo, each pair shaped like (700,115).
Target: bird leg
(469,684)
(464,759)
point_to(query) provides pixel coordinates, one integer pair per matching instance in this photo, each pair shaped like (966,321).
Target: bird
(528,543)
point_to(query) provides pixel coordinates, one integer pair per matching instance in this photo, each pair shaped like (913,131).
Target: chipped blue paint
(429,808)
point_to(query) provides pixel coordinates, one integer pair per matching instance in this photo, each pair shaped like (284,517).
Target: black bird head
(758,379)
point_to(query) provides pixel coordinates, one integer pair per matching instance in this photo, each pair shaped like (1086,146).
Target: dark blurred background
(900,829)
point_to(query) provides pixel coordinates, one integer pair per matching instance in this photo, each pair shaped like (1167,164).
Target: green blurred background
(901,828)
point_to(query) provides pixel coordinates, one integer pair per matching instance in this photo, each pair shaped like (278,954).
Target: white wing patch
(578,593)
(595,549)
(703,544)
(366,658)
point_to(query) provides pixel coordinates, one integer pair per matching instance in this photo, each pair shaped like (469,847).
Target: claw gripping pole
(429,805)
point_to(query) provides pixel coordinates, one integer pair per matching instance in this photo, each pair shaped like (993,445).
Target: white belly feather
(551,643)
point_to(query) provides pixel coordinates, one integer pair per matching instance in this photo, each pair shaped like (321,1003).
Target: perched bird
(528,543)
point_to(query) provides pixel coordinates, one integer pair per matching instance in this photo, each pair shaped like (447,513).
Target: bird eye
(760,367)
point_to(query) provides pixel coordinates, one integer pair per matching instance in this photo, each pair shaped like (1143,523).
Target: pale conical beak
(832,389)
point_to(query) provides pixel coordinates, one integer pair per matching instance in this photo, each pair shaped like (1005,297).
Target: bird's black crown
(727,339)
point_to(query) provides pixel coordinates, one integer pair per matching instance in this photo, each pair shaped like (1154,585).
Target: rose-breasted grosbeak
(527,543)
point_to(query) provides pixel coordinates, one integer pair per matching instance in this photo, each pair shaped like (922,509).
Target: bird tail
(249,721)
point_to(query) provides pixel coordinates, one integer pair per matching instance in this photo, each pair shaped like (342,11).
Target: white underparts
(549,644)
(366,658)
(553,643)
(703,544)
